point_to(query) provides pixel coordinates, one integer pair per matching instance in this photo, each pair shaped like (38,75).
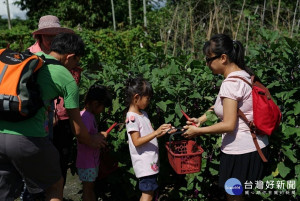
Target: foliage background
(168,53)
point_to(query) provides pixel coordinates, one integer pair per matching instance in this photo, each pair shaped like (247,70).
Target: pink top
(60,111)
(88,157)
(145,157)
(35,47)
(240,140)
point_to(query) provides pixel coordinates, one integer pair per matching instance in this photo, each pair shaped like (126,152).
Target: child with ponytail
(142,138)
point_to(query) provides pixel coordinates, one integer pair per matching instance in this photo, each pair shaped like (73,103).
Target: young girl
(142,140)
(87,163)
(239,157)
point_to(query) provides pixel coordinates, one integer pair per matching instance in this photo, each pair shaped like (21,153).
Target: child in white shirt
(142,137)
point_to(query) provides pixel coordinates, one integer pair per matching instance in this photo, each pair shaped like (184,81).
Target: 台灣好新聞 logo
(233,186)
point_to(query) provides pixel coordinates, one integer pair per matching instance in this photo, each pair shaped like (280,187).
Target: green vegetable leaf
(289,153)
(283,170)
(178,110)
(169,118)
(213,171)
(297,108)
(116,105)
(162,105)
(195,95)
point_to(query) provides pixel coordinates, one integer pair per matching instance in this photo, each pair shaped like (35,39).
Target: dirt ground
(72,190)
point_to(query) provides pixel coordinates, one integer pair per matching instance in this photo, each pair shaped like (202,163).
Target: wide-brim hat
(49,24)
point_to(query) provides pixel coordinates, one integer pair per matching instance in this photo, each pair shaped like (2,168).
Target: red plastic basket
(184,156)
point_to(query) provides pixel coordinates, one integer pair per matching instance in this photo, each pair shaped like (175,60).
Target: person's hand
(55,120)
(162,130)
(105,134)
(193,120)
(172,130)
(191,131)
(98,141)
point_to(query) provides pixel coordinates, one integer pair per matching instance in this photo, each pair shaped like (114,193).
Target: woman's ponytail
(239,53)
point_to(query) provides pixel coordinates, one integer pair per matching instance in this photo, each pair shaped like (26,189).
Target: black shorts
(244,167)
(34,159)
(148,183)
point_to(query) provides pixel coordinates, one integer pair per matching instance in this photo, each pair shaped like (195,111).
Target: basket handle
(180,130)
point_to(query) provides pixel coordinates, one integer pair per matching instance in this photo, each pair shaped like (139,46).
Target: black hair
(98,93)
(222,44)
(38,37)
(138,86)
(67,43)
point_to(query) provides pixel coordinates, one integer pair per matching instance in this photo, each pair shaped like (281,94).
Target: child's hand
(172,130)
(98,141)
(105,134)
(163,129)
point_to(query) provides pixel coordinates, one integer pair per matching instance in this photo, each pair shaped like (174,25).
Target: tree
(129,12)
(113,14)
(8,15)
(92,14)
(145,13)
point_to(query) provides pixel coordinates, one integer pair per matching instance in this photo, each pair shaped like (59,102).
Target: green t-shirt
(54,80)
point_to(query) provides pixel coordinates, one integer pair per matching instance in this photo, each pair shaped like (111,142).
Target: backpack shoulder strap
(257,83)
(251,123)
(241,78)
(52,61)
(253,134)
(2,50)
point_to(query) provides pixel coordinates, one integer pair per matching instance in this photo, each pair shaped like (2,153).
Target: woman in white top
(239,157)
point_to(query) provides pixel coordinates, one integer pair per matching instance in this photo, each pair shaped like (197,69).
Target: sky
(14,10)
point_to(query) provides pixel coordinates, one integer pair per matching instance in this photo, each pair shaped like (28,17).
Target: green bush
(19,38)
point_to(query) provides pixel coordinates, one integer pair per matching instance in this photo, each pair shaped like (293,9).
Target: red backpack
(266,114)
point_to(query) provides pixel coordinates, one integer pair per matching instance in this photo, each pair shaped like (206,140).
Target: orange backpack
(19,93)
